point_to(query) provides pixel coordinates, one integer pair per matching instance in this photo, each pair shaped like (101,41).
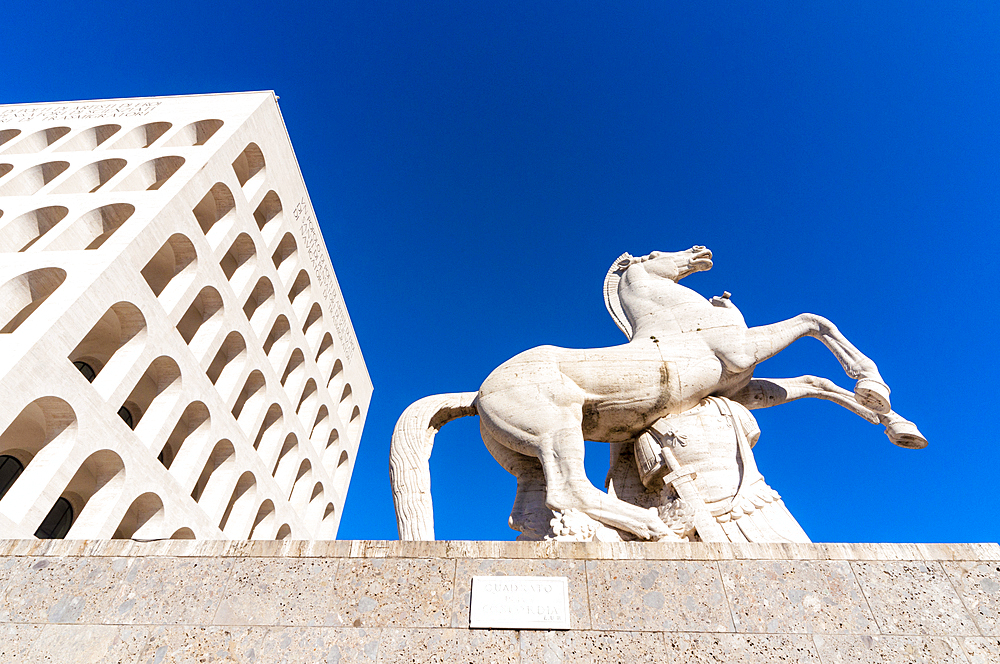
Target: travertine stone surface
(160,591)
(64,590)
(279,592)
(182,644)
(592,647)
(88,644)
(978,583)
(16,641)
(448,645)
(981,651)
(741,648)
(388,602)
(796,596)
(395,593)
(914,598)
(320,644)
(658,596)
(889,649)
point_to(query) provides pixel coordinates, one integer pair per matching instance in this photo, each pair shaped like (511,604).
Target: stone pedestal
(365,601)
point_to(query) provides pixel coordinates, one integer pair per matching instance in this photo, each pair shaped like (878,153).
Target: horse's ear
(611,299)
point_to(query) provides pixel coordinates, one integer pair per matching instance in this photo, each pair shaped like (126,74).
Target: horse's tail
(409,453)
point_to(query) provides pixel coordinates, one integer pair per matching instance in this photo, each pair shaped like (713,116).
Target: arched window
(10,470)
(284,256)
(142,137)
(262,524)
(298,294)
(8,134)
(38,141)
(126,416)
(33,179)
(91,230)
(239,262)
(269,210)
(196,133)
(177,255)
(151,175)
(88,139)
(121,327)
(310,327)
(91,177)
(24,231)
(194,425)
(87,370)
(56,523)
(259,304)
(154,394)
(25,293)
(249,168)
(215,205)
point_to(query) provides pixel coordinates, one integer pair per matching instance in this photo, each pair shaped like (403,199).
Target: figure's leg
(768,340)
(767,392)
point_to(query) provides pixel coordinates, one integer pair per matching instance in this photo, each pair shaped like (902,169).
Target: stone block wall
(293,601)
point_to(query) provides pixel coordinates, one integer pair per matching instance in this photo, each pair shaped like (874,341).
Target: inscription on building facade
(124,109)
(520,602)
(313,246)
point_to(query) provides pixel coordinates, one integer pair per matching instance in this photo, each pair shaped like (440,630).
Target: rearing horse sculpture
(537,408)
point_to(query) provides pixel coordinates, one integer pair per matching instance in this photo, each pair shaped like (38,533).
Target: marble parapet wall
(377,601)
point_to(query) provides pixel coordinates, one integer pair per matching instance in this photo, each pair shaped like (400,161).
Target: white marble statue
(537,408)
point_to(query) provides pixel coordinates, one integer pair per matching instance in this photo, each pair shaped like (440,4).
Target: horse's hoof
(873,395)
(905,434)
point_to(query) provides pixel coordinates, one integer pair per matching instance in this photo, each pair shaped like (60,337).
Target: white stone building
(176,359)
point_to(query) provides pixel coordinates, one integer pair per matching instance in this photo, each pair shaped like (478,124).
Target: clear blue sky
(476,167)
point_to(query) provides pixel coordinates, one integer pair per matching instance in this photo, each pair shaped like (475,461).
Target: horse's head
(628,273)
(675,265)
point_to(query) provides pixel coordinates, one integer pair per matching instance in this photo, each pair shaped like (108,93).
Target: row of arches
(178,252)
(123,323)
(118,335)
(43,432)
(148,176)
(143,136)
(219,204)
(88,231)
(33,448)
(217,478)
(249,168)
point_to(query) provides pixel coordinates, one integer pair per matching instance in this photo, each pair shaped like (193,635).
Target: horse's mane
(611,299)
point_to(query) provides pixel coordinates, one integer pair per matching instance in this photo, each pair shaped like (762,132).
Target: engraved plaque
(520,602)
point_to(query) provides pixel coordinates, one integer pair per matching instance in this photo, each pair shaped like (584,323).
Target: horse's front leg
(767,392)
(767,341)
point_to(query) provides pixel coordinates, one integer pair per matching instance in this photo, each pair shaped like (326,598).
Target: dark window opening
(10,470)
(126,415)
(87,370)
(56,523)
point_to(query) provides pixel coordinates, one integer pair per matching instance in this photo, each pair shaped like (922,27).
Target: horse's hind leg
(768,340)
(529,515)
(567,487)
